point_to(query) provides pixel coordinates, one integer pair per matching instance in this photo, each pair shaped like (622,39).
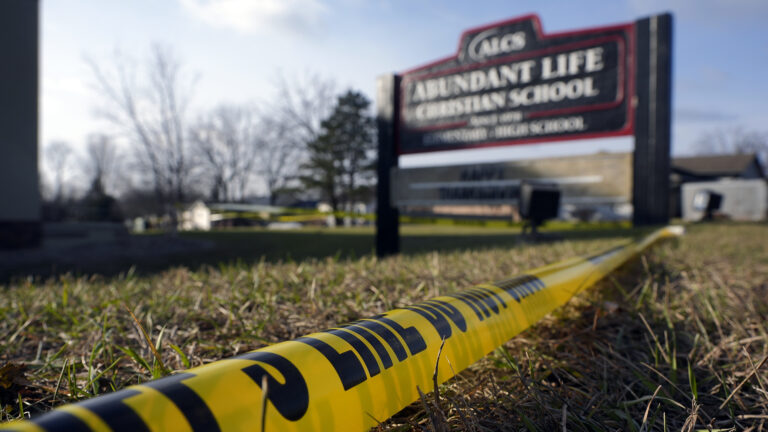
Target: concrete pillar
(20,223)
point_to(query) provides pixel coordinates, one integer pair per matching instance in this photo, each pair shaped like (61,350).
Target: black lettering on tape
(436,312)
(536,284)
(469,301)
(291,399)
(115,413)
(527,289)
(522,286)
(434,317)
(508,284)
(360,348)
(483,307)
(451,312)
(348,367)
(386,361)
(490,292)
(485,298)
(410,335)
(194,408)
(385,334)
(514,294)
(61,420)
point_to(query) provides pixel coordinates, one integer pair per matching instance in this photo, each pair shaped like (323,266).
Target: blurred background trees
(148,105)
(734,140)
(227,140)
(157,152)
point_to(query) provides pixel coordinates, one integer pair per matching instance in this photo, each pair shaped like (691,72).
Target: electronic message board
(595,179)
(510,83)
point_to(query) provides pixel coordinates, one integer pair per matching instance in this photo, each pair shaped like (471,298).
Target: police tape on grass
(348,377)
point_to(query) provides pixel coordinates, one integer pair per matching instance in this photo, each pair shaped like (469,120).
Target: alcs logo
(489,44)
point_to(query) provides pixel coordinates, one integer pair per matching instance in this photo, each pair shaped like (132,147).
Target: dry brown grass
(661,345)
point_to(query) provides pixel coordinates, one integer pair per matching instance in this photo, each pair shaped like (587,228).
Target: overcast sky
(238,48)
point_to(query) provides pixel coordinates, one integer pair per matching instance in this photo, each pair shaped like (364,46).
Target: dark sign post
(387,223)
(650,185)
(510,83)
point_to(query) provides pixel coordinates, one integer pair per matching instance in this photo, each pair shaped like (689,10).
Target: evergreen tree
(341,159)
(99,206)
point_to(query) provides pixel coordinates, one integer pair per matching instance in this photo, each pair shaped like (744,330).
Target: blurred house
(712,168)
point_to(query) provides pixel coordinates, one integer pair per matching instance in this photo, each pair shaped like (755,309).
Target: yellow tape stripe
(348,377)
(303,218)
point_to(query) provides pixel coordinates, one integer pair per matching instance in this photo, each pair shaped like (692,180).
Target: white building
(743,200)
(196,216)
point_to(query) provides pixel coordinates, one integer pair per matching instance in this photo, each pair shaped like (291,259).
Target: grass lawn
(252,245)
(155,252)
(675,340)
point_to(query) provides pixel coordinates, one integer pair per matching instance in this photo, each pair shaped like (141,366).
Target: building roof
(716,165)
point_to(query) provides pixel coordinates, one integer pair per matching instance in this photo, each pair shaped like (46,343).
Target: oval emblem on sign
(490,44)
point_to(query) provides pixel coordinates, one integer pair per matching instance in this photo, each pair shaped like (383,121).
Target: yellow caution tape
(324,216)
(303,218)
(349,377)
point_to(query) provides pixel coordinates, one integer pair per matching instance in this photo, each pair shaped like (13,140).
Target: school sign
(511,83)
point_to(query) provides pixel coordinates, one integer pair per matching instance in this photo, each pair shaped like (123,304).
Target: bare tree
(735,140)
(294,120)
(227,142)
(303,102)
(151,111)
(281,147)
(57,154)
